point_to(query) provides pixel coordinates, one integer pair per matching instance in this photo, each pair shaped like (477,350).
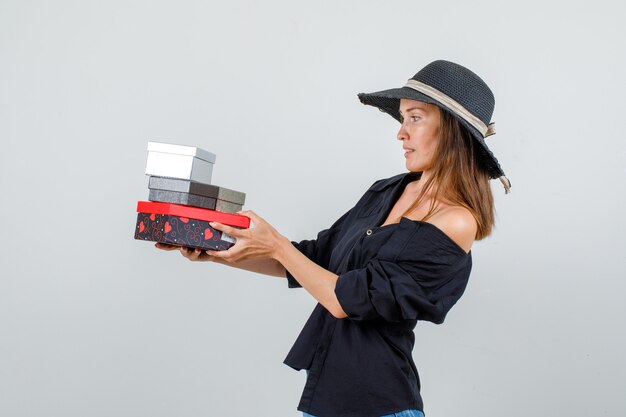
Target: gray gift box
(193,200)
(197,194)
(197,188)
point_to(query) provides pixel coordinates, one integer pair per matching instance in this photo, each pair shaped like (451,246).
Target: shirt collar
(382,185)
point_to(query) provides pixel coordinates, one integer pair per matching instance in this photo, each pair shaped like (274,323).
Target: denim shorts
(405,413)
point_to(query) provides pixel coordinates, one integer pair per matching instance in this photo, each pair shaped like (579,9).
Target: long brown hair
(458,177)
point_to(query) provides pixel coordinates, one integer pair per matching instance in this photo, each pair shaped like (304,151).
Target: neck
(415,187)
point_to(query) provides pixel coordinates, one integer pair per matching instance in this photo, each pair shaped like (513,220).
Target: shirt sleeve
(319,249)
(422,282)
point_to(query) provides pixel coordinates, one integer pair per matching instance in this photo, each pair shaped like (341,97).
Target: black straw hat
(456,89)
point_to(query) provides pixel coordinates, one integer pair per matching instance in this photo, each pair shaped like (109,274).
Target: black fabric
(389,278)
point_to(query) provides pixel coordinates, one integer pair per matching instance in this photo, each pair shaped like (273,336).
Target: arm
(269,267)
(419,274)
(319,282)
(263,243)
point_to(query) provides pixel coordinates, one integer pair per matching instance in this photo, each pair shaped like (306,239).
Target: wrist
(281,248)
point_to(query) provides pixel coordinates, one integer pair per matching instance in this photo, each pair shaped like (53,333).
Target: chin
(414,167)
(417,164)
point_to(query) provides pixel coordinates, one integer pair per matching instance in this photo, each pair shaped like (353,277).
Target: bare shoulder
(459,224)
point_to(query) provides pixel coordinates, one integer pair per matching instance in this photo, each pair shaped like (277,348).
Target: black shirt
(389,277)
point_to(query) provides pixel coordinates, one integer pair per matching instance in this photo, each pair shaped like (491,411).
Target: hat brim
(388,101)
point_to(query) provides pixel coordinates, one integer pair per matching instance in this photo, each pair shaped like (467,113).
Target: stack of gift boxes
(182,200)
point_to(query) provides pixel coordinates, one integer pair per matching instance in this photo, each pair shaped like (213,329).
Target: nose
(402,133)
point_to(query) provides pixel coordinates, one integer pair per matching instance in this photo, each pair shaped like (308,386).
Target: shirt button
(369,232)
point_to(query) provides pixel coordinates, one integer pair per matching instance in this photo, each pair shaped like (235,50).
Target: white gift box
(178,161)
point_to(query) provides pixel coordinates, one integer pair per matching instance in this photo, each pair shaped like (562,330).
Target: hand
(259,242)
(197,255)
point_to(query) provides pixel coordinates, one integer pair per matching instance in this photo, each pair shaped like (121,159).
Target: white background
(95,323)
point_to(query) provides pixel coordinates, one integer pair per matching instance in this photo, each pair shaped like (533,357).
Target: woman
(401,254)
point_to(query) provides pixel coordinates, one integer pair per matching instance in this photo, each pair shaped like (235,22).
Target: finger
(217,260)
(227,229)
(255,219)
(185,251)
(191,253)
(252,215)
(207,257)
(227,255)
(165,246)
(195,254)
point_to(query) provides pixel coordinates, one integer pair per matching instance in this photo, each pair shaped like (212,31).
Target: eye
(415,118)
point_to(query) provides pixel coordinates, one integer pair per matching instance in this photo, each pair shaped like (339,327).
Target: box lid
(193,213)
(181,150)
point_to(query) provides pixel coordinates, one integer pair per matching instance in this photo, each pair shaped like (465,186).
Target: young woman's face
(419,133)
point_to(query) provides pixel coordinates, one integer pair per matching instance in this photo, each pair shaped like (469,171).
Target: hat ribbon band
(454,106)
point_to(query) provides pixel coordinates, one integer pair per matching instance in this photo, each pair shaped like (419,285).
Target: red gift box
(180,225)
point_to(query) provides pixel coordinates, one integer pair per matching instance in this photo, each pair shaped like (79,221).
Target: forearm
(261,266)
(319,282)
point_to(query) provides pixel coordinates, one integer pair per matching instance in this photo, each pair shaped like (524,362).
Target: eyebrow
(412,108)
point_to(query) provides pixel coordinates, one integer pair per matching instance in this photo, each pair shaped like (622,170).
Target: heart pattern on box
(180,231)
